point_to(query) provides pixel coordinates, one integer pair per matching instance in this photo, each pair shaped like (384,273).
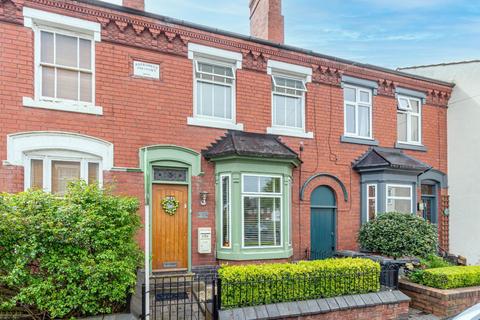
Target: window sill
(255,254)
(214,124)
(406,146)
(291,133)
(355,140)
(60,106)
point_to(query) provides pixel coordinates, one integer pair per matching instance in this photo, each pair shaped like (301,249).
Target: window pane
(207,99)
(350,118)
(66,50)
(226,211)
(364,121)
(428,189)
(36,174)
(403,103)
(279,109)
(350,94)
(399,205)
(228,100)
(372,191)
(267,223)
(399,191)
(402,126)
(415,128)
(372,209)
(250,184)
(269,184)
(62,173)
(291,111)
(365,96)
(219,94)
(48,82)
(46,44)
(85,87)
(415,105)
(250,221)
(85,54)
(67,84)
(93,172)
(299,120)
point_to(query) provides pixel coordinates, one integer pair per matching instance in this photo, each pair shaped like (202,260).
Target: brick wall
(139,112)
(442,303)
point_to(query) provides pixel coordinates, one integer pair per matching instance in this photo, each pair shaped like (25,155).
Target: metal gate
(186,296)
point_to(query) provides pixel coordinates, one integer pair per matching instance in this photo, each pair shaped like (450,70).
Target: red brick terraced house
(241,148)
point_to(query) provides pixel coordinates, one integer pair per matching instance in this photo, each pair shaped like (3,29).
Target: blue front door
(322,222)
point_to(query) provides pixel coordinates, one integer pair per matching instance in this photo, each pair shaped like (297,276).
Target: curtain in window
(62,173)
(36,174)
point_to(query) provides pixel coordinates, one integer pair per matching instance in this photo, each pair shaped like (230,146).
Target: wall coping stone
(310,307)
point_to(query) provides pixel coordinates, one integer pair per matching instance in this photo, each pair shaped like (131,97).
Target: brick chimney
(135,4)
(266,20)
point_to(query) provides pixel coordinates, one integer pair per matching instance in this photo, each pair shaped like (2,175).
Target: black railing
(201,297)
(182,297)
(317,254)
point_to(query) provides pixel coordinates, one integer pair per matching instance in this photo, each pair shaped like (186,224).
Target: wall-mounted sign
(202,215)
(146,70)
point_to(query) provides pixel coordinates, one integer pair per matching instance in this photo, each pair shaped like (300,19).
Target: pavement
(414,314)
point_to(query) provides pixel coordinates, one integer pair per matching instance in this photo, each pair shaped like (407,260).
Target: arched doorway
(323,207)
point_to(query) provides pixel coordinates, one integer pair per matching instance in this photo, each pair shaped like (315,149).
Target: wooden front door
(169,232)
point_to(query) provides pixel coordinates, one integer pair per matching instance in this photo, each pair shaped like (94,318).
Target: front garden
(70,256)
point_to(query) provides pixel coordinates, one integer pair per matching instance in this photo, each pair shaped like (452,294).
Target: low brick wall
(442,303)
(385,305)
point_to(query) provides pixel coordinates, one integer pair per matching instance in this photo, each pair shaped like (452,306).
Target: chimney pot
(266,20)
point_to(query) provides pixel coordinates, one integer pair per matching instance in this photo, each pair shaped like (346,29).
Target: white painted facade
(463,153)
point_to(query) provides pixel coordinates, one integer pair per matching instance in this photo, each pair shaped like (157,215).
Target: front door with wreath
(169,226)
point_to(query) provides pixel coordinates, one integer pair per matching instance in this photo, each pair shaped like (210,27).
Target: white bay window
(399,198)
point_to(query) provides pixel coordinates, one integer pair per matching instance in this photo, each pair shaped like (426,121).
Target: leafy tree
(68,256)
(399,234)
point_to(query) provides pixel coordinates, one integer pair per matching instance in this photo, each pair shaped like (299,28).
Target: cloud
(408,4)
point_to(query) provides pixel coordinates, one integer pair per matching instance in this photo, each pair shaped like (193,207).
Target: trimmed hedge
(451,277)
(249,285)
(399,234)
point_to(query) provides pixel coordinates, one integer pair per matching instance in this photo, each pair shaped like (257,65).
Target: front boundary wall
(384,305)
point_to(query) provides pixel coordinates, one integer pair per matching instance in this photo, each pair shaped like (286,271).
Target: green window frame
(226,210)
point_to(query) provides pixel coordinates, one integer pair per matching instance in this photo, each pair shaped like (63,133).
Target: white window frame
(229,209)
(47,159)
(39,21)
(368,198)
(294,72)
(220,57)
(358,104)
(262,194)
(399,198)
(409,113)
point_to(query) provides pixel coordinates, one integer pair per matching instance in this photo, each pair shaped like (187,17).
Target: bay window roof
(239,143)
(385,158)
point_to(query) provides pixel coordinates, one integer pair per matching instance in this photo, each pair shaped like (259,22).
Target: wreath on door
(170,205)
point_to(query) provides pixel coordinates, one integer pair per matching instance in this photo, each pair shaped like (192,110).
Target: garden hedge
(399,234)
(69,256)
(451,277)
(249,285)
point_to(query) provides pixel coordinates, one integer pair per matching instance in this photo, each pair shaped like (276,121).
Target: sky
(388,33)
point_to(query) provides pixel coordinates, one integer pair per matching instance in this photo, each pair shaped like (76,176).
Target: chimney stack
(135,4)
(266,20)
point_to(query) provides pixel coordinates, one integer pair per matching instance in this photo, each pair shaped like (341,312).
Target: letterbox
(204,240)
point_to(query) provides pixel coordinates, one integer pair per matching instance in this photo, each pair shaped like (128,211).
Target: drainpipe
(147,238)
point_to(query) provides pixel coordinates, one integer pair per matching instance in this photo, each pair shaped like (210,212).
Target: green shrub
(68,256)
(399,234)
(248,285)
(430,262)
(451,277)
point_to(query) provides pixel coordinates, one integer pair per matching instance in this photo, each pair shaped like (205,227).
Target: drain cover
(171,296)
